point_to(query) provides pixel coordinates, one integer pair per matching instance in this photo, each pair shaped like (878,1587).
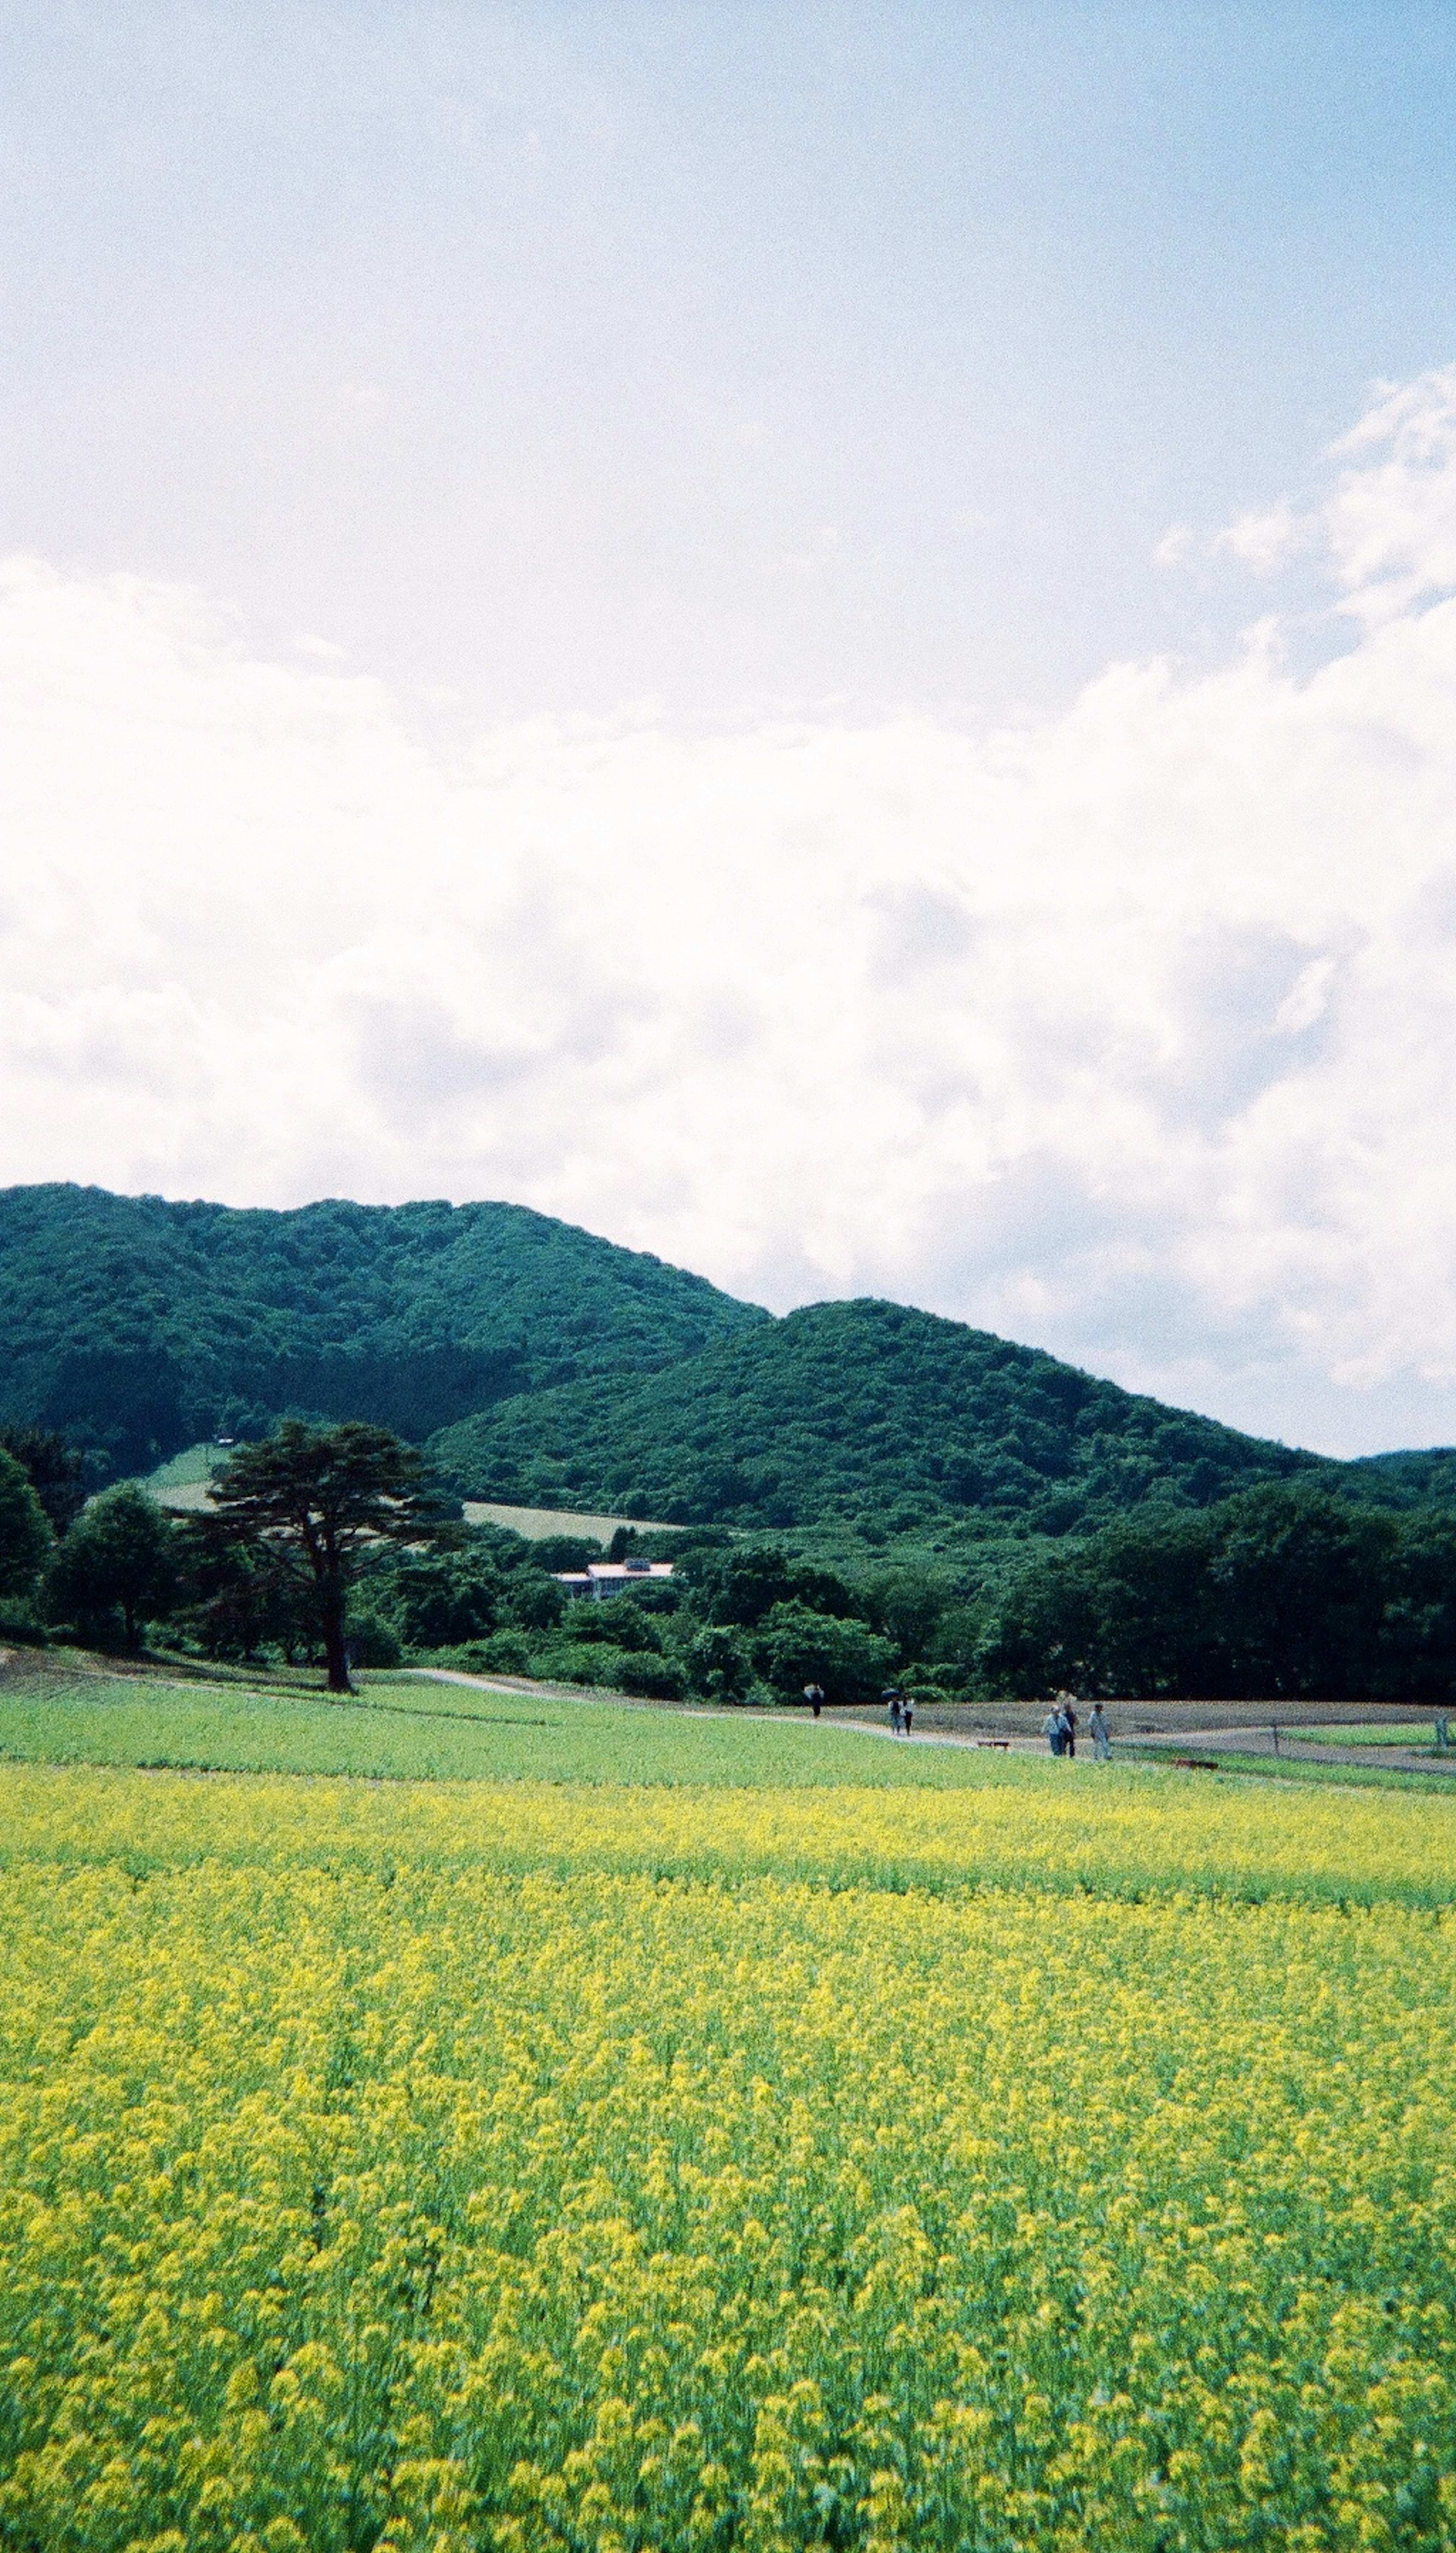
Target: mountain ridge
(139,1324)
(548,1367)
(867,1409)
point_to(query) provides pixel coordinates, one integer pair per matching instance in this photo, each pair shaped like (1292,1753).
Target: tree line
(334,1546)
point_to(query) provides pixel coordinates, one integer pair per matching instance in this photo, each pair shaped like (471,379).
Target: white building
(608,1576)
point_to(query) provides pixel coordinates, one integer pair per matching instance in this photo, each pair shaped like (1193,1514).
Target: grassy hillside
(857,1409)
(137,1325)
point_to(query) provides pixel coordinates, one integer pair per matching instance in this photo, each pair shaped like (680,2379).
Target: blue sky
(820,637)
(725,357)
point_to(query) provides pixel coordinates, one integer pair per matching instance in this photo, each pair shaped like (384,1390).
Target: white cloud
(1264,540)
(1175,545)
(1132,1030)
(1387,529)
(1393,521)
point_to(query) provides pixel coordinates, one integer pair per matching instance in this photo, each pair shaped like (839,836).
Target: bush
(653,1679)
(615,1624)
(597,1664)
(373,1641)
(507,1653)
(719,1664)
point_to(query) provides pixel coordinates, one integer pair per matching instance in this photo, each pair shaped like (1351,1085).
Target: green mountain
(858,1411)
(136,1327)
(554,1369)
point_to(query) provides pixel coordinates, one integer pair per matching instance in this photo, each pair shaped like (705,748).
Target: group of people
(901,1706)
(1061,1724)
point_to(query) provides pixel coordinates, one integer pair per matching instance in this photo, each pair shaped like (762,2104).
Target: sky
(820,637)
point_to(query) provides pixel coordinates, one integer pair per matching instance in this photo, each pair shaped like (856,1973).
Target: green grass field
(408,1727)
(414,1728)
(1415,1735)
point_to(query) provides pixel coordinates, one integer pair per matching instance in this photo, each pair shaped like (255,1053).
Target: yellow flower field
(404,2168)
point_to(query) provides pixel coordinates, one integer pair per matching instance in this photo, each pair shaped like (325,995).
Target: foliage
(139,1325)
(1282,1590)
(537,2171)
(796,1646)
(55,1471)
(437,1600)
(239,1598)
(373,1639)
(863,1411)
(564,1552)
(322,1496)
(719,1664)
(119,1560)
(25,1535)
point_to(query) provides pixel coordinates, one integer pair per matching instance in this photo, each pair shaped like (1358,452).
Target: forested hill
(860,1411)
(136,1327)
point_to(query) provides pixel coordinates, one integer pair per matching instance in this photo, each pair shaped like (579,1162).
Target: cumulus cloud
(1393,521)
(1267,539)
(1129,1030)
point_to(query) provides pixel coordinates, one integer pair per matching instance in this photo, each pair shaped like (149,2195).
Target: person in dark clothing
(892,1695)
(1069,1725)
(907,1712)
(814,1696)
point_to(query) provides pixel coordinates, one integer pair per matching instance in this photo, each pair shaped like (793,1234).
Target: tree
(326,1496)
(438,1600)
(119,1557)
(55,1470)
(25,1536)
(239,1595)
(1418,1633)
(749,1582)
(1298,1585)
(1040,1626)
(719,1662)
(796,1647)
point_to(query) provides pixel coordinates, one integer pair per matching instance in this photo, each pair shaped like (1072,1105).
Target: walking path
(1295,1745)
(720,1711)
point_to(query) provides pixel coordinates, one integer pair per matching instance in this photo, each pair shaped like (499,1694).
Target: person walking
(1053,1730)
(814,1696)
(1100,1733)
(907,1712)
(1069,1727)
(891,1695)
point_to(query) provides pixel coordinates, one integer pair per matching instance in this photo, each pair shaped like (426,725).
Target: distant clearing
(535,1523)
(183,1481)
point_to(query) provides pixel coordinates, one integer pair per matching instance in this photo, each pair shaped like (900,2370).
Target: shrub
(653,1679)
(719,1664)
(372,1641)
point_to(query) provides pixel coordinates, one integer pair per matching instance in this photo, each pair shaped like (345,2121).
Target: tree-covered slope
(858,1410)
(137,1325)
